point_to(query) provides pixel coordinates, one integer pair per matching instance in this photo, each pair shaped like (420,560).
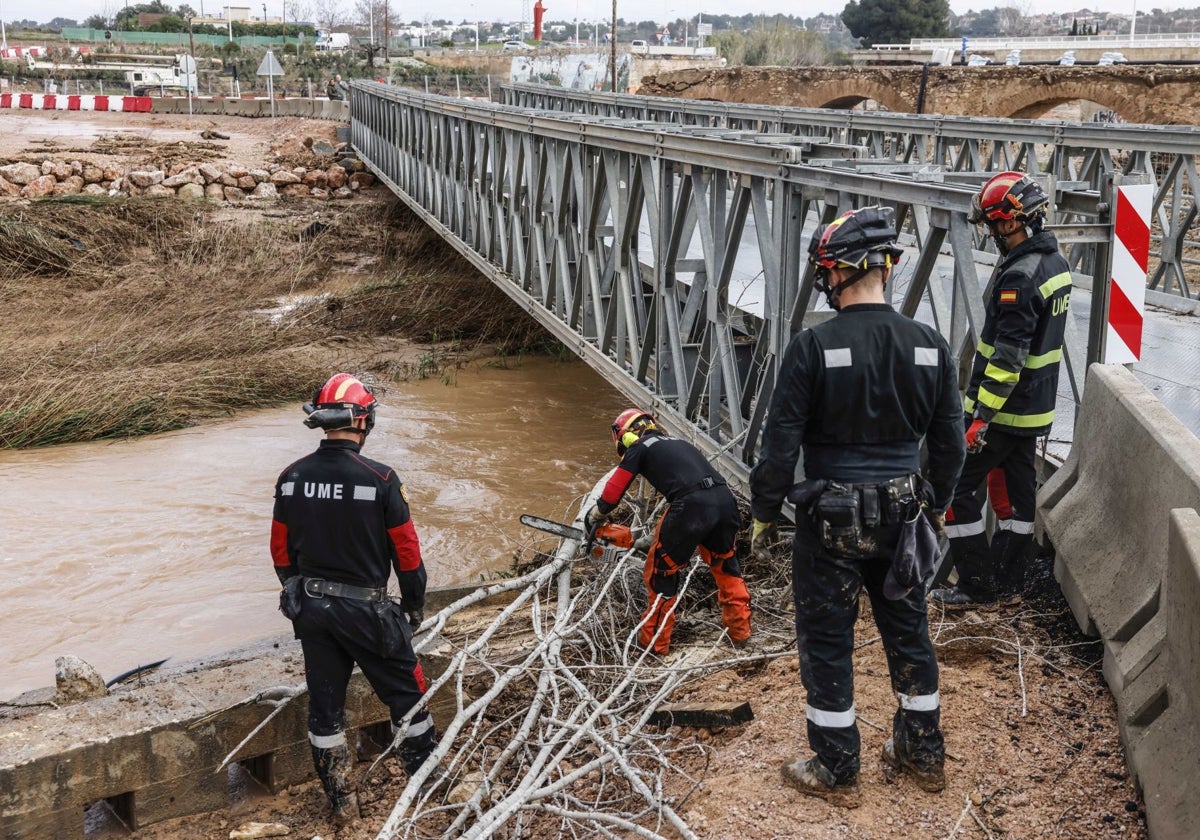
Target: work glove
(415,617)
(976,433)
(762,534)
(593,520)
(938,520)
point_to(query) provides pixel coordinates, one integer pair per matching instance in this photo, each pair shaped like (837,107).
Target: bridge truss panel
(1075,156)
(671,258)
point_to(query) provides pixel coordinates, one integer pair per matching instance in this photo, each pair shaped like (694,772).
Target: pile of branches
(553,698)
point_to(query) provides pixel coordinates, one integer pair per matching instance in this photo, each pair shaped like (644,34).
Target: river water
(130,551)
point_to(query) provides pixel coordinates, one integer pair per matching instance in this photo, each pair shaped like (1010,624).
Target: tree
(896,21)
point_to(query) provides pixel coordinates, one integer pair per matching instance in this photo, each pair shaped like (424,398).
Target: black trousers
(826,590)
(335,633)
(986,568)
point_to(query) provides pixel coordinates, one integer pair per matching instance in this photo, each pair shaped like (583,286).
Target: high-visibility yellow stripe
(990,400)
(1051,358)
(1054,284)
(985,350)
(1020,421)
(999,374)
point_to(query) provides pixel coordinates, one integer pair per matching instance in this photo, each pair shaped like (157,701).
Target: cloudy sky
(42,11)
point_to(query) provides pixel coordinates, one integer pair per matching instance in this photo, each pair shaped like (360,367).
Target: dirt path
(1029,723)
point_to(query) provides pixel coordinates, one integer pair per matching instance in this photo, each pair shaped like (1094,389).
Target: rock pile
(224,182)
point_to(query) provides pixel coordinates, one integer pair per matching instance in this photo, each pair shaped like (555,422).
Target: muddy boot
(814,778)
(931,778)
(333,769)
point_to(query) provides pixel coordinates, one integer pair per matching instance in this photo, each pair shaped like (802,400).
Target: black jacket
(1014,379)
(859,392)
(673,467)
(342,517)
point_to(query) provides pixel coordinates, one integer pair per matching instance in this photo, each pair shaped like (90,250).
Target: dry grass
(124,317)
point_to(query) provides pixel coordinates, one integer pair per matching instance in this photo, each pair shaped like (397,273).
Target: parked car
(515,46)
(638,46)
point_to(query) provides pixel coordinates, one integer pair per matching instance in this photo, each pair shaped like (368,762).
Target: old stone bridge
(1159,94)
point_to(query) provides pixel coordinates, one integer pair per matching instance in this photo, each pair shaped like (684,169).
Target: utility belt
(843,513)
(706,483)
(317,588)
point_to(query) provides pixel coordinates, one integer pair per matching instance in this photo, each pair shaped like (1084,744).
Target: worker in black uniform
(701,514)
(1014,385)
(340,524)
(858,393)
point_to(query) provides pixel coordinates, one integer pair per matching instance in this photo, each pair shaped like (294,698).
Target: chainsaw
(608,540)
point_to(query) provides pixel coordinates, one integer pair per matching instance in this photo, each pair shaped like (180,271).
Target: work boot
(954,599)
(932,778)
(333,769)
(815,779)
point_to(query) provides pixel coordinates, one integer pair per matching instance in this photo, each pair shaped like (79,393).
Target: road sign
(269,66)
(703,29)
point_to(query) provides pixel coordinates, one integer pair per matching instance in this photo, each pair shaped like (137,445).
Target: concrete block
(1125,661)
(1132,463)
(1167,757)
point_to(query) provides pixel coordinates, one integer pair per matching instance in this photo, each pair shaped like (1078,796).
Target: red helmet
(628,427)
(338,402)
(1009,195)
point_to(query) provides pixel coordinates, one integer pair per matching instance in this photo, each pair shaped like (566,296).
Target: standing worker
(341,523)
(1014,384)
(858,393)
(701,513)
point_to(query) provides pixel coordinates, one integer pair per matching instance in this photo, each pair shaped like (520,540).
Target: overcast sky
(42,11)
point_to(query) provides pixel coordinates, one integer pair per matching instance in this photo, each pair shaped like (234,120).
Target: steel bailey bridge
(665,243)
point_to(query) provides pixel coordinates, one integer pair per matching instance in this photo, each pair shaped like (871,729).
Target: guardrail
(670,257)
(1075,156)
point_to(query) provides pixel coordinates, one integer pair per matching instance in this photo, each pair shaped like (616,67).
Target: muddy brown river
(126,552)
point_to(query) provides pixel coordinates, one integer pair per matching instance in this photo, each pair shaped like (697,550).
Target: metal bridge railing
(670,257)
(1073,155)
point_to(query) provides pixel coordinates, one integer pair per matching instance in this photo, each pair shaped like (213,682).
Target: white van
(333,41)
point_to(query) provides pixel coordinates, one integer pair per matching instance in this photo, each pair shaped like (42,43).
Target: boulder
(210,172)
(214,192)
(94,189)
(360,180)
(323,195)
(71,185)
(283,178)
(295,191)
(145,178)
(111,173)
(316,178)
(190,175)
(336,177)
(92,174)
(260,175)
(39,187)
(191,192)
(246,182)
(158,191)
(266,190)
(8,188)
(343,193)
(234,194)
(76,167)
(76,680)
(61,170)
(20,173)
(236,170)
(322,148)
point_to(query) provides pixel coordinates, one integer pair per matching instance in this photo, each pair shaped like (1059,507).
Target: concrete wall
(314,108)
(1122,514)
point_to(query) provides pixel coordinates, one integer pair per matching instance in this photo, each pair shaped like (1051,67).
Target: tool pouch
(839,515)
(289,597)
(394,630)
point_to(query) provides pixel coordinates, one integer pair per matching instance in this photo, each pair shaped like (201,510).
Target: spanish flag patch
(1009,296)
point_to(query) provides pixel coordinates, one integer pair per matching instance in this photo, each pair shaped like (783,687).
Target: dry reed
(126,317)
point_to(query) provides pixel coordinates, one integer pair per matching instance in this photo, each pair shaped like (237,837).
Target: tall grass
(129,317)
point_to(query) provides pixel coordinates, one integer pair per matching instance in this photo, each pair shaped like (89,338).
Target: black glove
(593,521)
(415,617)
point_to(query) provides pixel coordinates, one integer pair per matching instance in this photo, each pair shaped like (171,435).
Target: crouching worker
(341,523)
(857,394)
(701,513)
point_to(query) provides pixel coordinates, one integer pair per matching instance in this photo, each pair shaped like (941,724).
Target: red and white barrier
(21,52)
(64,102)
(1127,288)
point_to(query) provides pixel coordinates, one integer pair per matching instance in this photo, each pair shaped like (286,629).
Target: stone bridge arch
(1027,101)
(848,91)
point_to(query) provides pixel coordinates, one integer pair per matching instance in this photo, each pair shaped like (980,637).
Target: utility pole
(612,60)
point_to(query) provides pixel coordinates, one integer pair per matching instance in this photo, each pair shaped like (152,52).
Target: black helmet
(863,238)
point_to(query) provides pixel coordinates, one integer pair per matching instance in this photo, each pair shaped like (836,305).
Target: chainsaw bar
(551,527)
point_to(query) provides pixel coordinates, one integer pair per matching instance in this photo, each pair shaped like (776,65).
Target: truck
(332,41)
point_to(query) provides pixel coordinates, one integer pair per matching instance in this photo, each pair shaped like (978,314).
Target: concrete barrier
(1165,719)
(1106,511)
